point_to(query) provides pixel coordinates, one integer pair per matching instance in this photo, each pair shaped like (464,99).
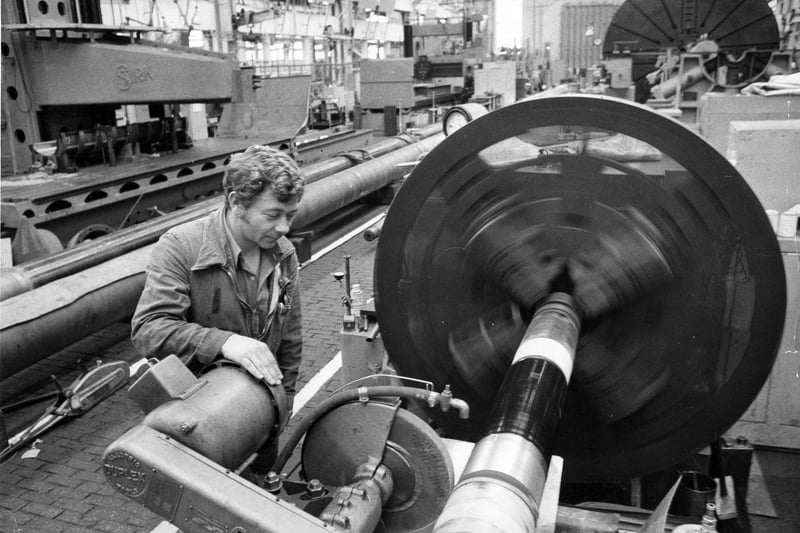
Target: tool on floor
(89,389)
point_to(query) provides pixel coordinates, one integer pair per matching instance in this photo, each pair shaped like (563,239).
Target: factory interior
(548,253)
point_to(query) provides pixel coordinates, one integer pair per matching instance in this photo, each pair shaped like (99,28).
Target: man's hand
(254,356)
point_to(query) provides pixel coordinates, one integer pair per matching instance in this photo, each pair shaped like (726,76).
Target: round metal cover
(342,440)
(673,260)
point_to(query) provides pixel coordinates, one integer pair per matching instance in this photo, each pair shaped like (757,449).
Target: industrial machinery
(76,90)
(565,301)
(680,50)
(92,107)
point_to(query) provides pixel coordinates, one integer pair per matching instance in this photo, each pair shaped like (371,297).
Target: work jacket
(191,301)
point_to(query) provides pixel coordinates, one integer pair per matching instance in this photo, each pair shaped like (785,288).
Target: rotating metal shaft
(502,484)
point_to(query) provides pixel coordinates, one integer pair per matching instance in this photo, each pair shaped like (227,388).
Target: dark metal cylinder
(335,192)
(502,484)
(226,420)
(528,406)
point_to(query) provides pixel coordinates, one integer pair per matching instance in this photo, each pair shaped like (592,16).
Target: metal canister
(227,419)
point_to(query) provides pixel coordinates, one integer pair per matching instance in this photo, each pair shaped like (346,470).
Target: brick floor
(64,490)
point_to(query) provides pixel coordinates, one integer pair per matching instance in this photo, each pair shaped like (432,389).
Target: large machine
(90,108)
(565,299)
(76,90)
(679,50)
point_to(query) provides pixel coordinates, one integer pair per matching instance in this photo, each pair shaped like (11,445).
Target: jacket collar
(215,249)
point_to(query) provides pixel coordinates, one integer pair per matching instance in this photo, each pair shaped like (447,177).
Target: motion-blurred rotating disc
(671,259)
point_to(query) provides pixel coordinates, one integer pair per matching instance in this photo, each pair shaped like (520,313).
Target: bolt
(314,489)
(273,482)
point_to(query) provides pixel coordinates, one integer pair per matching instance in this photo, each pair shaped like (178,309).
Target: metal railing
(327,73)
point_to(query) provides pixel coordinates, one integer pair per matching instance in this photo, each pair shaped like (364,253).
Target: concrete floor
(779,512)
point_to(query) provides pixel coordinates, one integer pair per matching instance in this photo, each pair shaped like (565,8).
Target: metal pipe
(681,81)
(374,231)
(335,192)
(501,486)
(39,322)
(350,158)
(50,317)
(27,276)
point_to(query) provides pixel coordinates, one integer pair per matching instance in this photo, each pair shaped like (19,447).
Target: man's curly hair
(251,172)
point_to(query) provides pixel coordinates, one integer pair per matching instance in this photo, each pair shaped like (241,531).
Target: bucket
(694,491)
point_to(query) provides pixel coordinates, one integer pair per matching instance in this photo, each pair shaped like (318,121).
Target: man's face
(265,221)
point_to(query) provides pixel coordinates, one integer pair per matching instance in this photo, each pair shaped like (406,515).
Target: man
(226,286)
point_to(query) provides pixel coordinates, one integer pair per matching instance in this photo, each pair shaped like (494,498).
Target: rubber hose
(338,399)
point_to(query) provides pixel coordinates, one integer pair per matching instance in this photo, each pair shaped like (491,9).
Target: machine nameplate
(163,496)
(130,76)
(198,518)
(125,472)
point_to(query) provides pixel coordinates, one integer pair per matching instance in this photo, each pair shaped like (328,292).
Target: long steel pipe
(502,483)
(40,322)
(22,278)
(325,196)
(45,319)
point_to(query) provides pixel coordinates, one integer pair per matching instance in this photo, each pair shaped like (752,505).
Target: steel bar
(503,481)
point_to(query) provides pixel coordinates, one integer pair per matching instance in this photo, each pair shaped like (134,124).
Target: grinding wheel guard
(672,263)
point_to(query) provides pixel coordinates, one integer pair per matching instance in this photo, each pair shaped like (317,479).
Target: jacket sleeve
(290,350)
(159,326)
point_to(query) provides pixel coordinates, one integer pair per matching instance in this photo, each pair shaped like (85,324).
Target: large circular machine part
(422,472)
(671,260)
(648,29)
(736,26)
